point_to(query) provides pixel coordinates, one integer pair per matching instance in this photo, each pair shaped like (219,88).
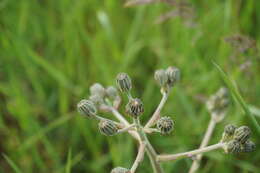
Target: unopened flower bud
(232,147)
(134,107)
(173,75)
(228,133)
(120,170)
(248,146)
(165,125)
(96,99)
(107,127)
(86,107)
(160,77)
(242,134)
(111,92)
(123,82)
(97,89)
(218,102)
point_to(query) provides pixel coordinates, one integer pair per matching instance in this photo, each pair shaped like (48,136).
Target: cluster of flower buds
(120,170)
(237,139)
(134,107)
(166,79)
(165,125)
(218,103)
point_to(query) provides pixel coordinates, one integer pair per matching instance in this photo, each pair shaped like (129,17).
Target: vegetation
(52,51)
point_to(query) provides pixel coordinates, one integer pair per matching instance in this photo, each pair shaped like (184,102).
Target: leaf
(12,164)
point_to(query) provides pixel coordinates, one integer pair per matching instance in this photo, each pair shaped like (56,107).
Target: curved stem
(139,157)
(204,143)
(169,157)
(156,114)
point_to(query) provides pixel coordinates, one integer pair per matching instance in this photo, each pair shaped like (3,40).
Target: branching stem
(156,114)
(169,157)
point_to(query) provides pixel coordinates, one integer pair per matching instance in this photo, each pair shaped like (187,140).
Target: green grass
(51,51)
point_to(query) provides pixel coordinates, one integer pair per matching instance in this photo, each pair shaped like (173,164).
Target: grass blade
(12,164)
(238,96)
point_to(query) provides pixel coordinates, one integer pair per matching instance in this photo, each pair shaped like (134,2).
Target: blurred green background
(51,51)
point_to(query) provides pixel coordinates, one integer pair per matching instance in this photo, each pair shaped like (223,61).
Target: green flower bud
(120,170)
(242,134)
(173,75)
(111,92)
(86,107)
(228,133)
(107,127)
(165,125)
(232,147)
(123,82)
(248,146)
(134,107)
(160,77)
(97,89)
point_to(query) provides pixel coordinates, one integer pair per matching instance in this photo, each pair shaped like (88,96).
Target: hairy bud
(124,82)
(228,133)
(107,127)
(134,107)
(248,146)
(97,89)
(218,103)
(242,134)
(173,75)
(165,125)
(96,99)
(160,77)
(120,170)
(86,107)
(232,147)
(111,92)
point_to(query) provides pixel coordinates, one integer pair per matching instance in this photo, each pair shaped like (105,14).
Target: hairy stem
(149,148)
(169,157)
(139,157)
(204,143)
(156,114)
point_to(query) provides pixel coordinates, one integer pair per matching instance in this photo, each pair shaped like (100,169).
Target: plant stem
(204,143)
(169,157)
(139,157)
(156,114)
(130,127)
(149,148)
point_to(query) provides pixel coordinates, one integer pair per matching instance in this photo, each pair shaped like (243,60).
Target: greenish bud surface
(165,125)
(135,107)
(86,107)
(107,127)
(124,82)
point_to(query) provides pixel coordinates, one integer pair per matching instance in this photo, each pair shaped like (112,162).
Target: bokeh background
(51,51)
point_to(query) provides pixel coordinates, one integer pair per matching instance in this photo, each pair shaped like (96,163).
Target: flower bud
(134,107)
(161,77)
(228,133)
(96,99)
(232,147)
(218,102)
(165,125)
(173,75)
(86,107)
(111,92)
(242,134)
(123,82)
(248,146)
(120,170)
(107,127)
(97,89)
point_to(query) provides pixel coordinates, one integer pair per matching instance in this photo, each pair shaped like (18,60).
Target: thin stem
(149,148)
(125,122)
(130,127)
(139,157)
(204,143)
(156,114)
(169,157)
(151,130)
